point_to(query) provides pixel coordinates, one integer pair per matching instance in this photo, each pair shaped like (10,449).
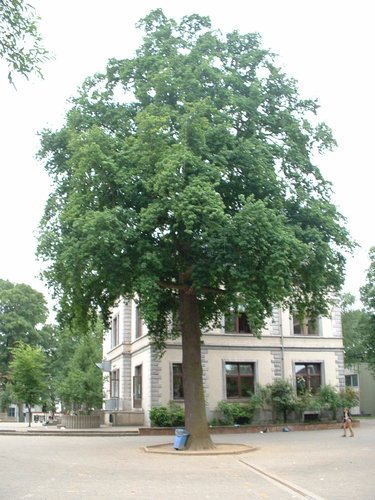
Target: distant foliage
(348,398)
(80,384)
(23,313)
(28,375)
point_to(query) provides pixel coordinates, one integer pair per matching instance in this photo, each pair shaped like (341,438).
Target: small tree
(282,397)
(28,375)
(80,385)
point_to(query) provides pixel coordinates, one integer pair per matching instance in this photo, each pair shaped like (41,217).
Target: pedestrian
(347,423)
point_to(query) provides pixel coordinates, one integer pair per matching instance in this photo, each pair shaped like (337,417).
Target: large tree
(184,177)
(20,42)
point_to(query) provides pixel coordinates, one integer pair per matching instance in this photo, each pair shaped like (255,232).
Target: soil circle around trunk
(220,449)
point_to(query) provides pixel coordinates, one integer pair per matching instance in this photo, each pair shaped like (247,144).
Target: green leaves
(20,42)
(368,290)
(79,383)
(28,374)
(359,325)
(200,175)
(23,311)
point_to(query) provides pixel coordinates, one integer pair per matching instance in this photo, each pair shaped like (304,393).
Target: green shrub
(236,413)
(307,401)
(160,417)
(348,398)
(177,414)
(282,397)
(329,399)
(167,416)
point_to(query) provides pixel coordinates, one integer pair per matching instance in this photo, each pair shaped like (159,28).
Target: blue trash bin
(180,439)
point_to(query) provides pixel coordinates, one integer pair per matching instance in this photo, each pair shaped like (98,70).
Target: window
(114,381)
(239,379)
(138,323)
(237,323)
(137,387)
(177,382)
(11,412)
(351,380)
(115,337)
(308,377)
(305,325)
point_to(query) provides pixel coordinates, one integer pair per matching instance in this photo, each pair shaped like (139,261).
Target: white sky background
(326,45)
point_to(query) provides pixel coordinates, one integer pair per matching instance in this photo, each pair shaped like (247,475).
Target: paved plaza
(284,465)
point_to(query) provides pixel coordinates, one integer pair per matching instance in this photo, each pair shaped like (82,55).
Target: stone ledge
(244,429)
(220,449)
(80,421)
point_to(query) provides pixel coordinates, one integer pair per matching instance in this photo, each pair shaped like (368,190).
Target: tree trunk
(20,417)
(195,410)
(29,407)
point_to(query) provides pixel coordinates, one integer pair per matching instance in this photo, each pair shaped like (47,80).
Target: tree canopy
(23,314)
(191,162)
(368,289)
(354,327)
(28,375)
(184,176)
(359,324)
(368,300)
(78,382)
(20,42)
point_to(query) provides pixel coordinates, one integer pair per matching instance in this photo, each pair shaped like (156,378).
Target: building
(361,379)
(234,361)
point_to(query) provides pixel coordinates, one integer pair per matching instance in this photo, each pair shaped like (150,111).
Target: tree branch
(190,289)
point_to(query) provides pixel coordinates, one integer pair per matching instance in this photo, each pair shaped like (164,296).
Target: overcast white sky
(327,45)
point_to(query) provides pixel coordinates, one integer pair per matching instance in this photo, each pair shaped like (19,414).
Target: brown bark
(195,411)
(30,416)
(188,289)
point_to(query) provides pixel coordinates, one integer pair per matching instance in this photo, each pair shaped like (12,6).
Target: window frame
(239,377)
(137,386)
(313,387)
(114,383)
(310,327)
(138,323)
(177,382)
(352,376)
(11,412)
(115,331)
(239,321)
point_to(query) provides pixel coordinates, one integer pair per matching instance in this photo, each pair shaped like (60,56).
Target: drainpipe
(281,345)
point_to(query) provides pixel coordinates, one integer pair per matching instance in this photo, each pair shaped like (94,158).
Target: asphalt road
(311,465)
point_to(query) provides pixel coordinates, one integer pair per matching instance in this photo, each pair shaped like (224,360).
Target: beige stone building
(234,361)
(361,379)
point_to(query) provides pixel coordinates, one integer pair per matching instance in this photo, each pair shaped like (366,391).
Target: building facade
(234,361)
(361,379)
